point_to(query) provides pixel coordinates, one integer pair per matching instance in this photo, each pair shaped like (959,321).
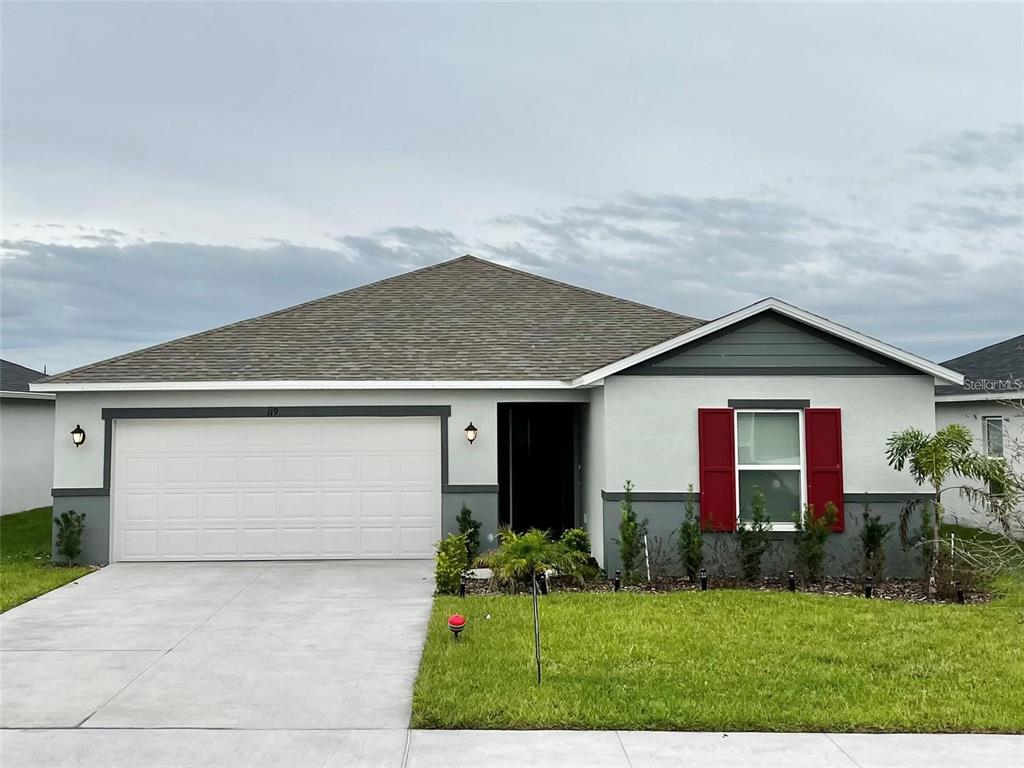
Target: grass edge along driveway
(26,570)
(725,660)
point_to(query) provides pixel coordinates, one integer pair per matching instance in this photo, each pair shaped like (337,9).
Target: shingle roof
(990,370)
(466,319)
(16,378)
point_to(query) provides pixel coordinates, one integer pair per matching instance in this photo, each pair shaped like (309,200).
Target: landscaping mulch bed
(905,590)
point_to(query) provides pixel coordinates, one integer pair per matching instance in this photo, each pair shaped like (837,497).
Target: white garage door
(276,488)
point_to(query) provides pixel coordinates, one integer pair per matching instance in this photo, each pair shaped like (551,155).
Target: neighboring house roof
(462,320)
(989,373)
(796,313)
(16,378)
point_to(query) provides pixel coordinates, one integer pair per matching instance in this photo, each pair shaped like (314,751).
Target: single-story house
(990,403)
(357,425)
(26,440)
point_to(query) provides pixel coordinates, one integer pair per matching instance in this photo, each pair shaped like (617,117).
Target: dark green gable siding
(769,344)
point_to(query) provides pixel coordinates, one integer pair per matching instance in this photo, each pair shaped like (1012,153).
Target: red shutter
(824,441)
(716,437)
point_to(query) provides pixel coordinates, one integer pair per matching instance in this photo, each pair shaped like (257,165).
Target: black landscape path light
(703,579)
(617,581)
(868,586)
(791,582)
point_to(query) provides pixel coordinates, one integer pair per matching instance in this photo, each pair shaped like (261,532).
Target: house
(990,403)
(26,440)
(357,425)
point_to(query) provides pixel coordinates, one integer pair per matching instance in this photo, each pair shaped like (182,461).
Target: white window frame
(985,422)
(776,526)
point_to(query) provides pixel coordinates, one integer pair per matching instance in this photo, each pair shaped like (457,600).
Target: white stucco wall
(594,471)
(26,453)
(475,464)
(651,423)
(970,414)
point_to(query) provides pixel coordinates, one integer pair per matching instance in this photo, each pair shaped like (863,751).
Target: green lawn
(724,660)
(25,568)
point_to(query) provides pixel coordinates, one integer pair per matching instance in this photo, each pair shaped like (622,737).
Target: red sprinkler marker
(456,623)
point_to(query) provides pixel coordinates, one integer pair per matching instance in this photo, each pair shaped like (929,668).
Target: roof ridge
(982,349)
(272,313)
(580,288)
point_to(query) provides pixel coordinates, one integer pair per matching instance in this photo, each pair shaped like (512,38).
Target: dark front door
(537,462)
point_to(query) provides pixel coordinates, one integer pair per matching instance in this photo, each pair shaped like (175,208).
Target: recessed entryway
(539,465)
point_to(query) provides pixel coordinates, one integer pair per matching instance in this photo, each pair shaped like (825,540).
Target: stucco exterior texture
(638,428)
(26,453)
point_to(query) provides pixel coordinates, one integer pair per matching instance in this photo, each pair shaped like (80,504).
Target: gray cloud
(1000,149)
(68,304)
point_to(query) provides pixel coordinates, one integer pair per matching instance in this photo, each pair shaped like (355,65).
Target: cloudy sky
(168,168)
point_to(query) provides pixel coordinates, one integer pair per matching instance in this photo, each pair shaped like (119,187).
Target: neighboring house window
(770,457)
(992,434)
(992,431)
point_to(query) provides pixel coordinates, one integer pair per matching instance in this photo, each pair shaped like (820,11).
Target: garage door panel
(179,544)
(276,488)
(257,469)
(176,507)
(177,470)
(218,507)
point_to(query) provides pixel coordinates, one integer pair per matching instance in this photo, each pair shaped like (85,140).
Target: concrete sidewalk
(397,748)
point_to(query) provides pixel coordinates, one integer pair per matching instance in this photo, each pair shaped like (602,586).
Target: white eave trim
(966,397)
(802,315)
(26,395)
(194,386)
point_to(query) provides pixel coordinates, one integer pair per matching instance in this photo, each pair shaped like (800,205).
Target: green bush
(812,534)
(691,541)
(70,525)
(872,542)
(470,530)
(521,556)
(578,539)
(752,538)
(631,535)
(451,562)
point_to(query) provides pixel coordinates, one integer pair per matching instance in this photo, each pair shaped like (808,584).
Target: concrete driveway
(302,646)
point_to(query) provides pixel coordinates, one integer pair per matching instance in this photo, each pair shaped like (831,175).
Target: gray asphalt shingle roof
(16,378)
(466,319)
(992,369)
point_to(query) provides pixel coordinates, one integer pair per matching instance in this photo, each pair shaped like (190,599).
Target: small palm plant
(520,557)
(932,459)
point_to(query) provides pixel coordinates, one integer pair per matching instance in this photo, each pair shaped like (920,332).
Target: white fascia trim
(802,315)
(966,398)
(27,395)
(192,386)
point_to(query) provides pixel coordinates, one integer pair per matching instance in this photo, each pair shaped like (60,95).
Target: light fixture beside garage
(77,435)
(471,433)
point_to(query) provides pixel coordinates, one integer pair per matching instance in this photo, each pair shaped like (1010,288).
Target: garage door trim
(270,412)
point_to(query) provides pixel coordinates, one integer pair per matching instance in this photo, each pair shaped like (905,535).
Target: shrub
(69,534)
(812,533)
(631,535)
(470,531)
(691,541)
(753,538)
(872,542)
(521,556)
(451,562)
(578,539)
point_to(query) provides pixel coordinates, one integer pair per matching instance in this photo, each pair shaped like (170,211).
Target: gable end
(770,343)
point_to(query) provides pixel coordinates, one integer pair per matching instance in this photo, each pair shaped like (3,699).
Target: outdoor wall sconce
(77,435)
(471,433)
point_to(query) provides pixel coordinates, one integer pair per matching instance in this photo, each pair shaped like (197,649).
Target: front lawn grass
(724,660)
(25,567)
